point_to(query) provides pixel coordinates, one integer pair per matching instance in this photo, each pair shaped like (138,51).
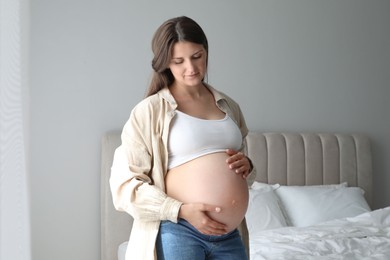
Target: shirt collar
(166,95)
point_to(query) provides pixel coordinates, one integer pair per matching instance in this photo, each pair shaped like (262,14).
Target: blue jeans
(183,241)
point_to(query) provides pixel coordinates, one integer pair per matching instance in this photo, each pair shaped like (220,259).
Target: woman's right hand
(196,215)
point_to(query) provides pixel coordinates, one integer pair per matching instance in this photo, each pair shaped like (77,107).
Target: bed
(311,199)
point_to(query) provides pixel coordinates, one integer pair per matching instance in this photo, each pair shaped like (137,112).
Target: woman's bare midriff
(209,180)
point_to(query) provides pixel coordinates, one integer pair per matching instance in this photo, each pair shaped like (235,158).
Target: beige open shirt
(139,189)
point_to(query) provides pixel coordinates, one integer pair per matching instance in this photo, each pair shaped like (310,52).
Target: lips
(192,75)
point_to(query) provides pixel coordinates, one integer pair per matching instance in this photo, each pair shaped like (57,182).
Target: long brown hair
(170,32)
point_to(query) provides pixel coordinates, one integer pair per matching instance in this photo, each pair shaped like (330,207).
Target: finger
(241,170)
(213,232)
(219,229)
(210,208)
(212,227)
(216,232)
(210,222)
(237,156)
(231,151)
(215,228)
(246,175)
(237,164)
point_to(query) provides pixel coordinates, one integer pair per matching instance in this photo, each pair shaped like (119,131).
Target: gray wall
(303,65)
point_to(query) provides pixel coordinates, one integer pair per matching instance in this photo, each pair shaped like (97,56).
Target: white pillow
(264,210)
(261,186)
(122,250)
(339,185)
(309,205)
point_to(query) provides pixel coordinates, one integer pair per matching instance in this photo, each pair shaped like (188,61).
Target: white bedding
(366,236)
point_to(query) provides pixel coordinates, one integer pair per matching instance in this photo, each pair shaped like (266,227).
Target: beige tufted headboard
(284,158)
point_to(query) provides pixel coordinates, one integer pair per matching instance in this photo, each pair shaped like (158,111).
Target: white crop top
(191,137)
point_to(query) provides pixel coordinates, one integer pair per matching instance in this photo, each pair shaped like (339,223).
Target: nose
(190,66)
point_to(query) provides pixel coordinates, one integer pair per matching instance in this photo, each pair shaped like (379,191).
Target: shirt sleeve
(236,110)
(252,175)
(132,186)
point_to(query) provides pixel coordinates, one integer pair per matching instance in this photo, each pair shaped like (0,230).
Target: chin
(194,83)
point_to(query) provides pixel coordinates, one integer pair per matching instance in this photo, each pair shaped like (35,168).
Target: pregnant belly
(209,180)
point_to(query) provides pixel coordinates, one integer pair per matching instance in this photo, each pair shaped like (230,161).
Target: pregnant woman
(185,177)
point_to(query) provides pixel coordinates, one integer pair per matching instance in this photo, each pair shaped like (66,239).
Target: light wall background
(302,65)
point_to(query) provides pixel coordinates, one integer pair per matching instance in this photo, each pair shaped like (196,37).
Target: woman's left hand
(238,162)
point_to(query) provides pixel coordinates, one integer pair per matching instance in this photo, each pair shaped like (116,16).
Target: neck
(193,92)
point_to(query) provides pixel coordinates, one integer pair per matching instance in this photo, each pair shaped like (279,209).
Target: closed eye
(177,61)
(198,56)
(195,56)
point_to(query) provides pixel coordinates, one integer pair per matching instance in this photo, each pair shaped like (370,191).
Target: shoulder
(148,105)
(232,107)
(152,111)
(224,99)
(142,120)
(147,102)
(230,101)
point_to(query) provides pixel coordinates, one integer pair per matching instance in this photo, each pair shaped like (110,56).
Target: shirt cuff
(170,209)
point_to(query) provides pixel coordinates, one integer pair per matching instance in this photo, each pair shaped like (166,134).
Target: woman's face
(188,64)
